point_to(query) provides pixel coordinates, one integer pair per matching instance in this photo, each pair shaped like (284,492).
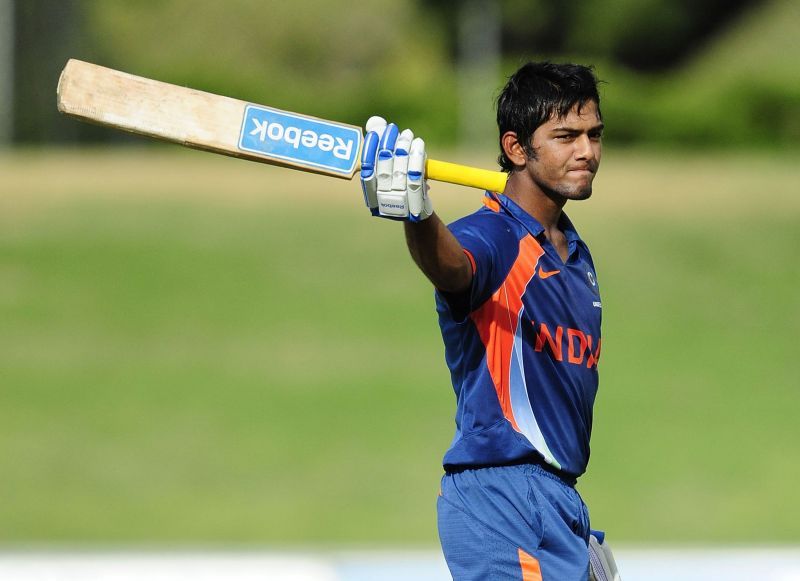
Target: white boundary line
(636,564)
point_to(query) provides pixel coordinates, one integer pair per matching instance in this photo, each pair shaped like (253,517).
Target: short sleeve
(487,244)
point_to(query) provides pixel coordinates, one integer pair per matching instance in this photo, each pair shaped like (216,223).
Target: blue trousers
(520,523)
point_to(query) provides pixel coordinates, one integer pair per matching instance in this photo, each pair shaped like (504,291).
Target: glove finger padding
(392,164)
(377,124)
(400,168)
(385,163)
(375,128)
(419,205)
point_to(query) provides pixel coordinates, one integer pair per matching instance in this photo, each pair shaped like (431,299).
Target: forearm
(438,254)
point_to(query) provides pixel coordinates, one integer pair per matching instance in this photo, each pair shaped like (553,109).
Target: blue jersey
(522,343)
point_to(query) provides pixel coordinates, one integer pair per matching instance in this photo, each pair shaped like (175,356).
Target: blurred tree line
(699,72)
(643,35)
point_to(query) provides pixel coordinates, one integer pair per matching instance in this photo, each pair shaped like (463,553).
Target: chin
(582,195)
(568,192)
(578,194)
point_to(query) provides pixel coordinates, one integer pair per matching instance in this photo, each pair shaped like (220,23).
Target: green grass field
(201,350)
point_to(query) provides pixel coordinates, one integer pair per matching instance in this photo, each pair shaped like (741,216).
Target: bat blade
(207,121)
(228,126)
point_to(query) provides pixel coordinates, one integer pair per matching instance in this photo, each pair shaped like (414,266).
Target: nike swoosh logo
(547,274)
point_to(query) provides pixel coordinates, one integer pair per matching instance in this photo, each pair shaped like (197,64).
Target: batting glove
(602,566)
(393,173)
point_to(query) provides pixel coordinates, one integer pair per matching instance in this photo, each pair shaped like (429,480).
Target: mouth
(583,173)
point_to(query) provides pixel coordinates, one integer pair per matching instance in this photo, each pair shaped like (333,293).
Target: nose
(584,148)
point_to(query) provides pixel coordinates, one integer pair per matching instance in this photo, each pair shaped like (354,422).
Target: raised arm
(438,254)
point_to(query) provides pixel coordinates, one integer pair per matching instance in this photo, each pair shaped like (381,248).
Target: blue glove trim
(368,154)
(388,141)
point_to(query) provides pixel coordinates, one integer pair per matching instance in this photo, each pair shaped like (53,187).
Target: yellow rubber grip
(453,173)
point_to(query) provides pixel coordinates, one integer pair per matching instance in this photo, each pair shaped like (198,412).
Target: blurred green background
(197,349)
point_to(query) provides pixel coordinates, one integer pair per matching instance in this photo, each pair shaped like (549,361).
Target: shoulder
(487,226)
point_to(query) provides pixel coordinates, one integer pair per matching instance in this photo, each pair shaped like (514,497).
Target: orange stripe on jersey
(491,203)
(471,259)
(530,567)
(496,321)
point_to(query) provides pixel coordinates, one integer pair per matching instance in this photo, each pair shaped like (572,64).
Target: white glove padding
(602,566)
(393,173)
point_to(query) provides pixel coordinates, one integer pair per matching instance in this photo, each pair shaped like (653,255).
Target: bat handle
(453,173)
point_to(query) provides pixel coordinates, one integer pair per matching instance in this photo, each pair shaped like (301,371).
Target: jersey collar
(566,226)
(531,224)
(510,207)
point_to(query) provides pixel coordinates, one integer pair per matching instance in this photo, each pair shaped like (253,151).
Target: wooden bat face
(206,121)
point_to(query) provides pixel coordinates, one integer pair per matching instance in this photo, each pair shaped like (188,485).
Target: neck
(545,207)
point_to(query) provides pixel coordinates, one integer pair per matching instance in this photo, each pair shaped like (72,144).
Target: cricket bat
(229,126)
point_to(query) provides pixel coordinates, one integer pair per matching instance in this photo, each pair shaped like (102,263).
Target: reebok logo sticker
(300,140)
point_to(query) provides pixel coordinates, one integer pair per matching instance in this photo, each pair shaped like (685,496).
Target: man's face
(567,153)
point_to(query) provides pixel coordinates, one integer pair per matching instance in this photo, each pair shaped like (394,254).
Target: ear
(513,148)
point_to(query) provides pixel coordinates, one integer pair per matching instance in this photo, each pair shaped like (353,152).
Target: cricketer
(519,307)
